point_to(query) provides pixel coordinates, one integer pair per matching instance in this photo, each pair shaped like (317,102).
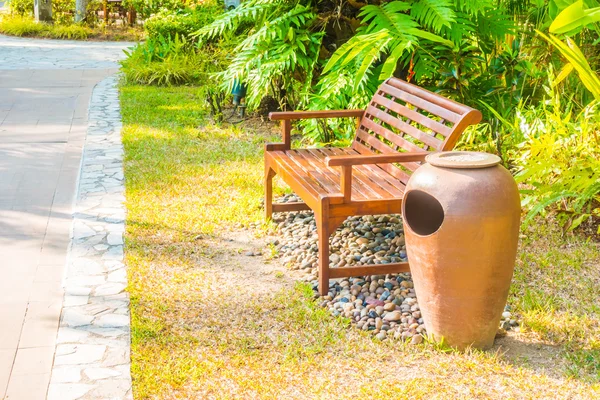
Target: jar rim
(463,159)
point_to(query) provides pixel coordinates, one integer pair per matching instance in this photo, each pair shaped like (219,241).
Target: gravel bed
(385,305)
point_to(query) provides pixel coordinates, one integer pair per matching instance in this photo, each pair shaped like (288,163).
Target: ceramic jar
(461,216)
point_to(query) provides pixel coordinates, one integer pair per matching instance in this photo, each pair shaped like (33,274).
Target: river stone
(393,316)
(362,240)
(375,302)
(417,339)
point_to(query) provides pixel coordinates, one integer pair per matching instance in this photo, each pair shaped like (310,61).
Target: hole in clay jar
(422,212)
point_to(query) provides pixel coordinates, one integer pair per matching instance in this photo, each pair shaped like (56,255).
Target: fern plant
(388,34)
(307,55)
(279,53)
(405,35)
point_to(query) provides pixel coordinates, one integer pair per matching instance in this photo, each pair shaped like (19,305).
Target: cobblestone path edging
(92,358)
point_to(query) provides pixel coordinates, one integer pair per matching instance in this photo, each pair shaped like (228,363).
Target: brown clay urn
(461,219)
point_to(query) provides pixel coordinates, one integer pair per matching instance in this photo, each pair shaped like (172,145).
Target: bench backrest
(405,118)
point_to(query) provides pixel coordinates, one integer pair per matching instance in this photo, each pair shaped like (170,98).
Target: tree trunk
(43,10)
(80,10)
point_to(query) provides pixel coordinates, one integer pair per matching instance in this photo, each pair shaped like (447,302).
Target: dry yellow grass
(211,323)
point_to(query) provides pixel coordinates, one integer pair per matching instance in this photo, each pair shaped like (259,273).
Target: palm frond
(231,20)
(464,27)
(434,14)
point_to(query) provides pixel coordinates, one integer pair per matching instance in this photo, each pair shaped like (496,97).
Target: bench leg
(269,174)
(323,232)
(325,227)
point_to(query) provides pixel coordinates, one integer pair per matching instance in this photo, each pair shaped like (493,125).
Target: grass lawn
(209,322)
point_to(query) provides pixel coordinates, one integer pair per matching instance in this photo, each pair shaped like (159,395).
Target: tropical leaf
(572,53)
(574,17)
(250,10)
(356,46)
(433,14)
(564,72)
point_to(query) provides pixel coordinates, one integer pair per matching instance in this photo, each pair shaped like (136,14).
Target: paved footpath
(64,322)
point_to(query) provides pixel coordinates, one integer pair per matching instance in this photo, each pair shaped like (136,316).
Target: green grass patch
(25,26)
(22,26)
(201,328)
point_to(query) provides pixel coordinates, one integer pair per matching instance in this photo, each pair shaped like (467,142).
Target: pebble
(417,339)
(385,305)
(393,316)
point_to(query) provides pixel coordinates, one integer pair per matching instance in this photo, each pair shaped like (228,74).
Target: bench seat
(371,182)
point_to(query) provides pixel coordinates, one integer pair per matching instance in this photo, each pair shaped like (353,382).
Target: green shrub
(555,152)
(21,7)
(161,61)
(168,23)
(77,32)
(146,8)
(63,11)
(22,26)
(171,71)
(170,61)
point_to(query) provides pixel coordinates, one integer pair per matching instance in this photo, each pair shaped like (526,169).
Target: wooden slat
(471,117)
(358,183)
(328,185)
(360,177)
(404,127)
(366,207)
(383,148)
(431,97)
(294,115)
(387,158)
(390,169)
(299,186)
(392,191)
(381,174)
(375,143)
(396,172)
(287,169)
(317,158)
(421,119)
(421,103)
(379,186)
(362,270)
(361,148)
(389,135)
(293,206)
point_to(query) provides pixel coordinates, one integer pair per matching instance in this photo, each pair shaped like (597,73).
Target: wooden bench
(400,126)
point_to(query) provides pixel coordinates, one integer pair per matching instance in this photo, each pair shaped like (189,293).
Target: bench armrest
(286,118)
(293,115)
(359,159)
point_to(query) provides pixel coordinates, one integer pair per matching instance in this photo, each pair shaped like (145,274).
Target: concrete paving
(45,89)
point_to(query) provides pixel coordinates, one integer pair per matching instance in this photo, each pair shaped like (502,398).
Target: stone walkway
(45,91)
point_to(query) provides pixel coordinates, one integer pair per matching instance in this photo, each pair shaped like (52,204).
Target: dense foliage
(181,22)
(528,65)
